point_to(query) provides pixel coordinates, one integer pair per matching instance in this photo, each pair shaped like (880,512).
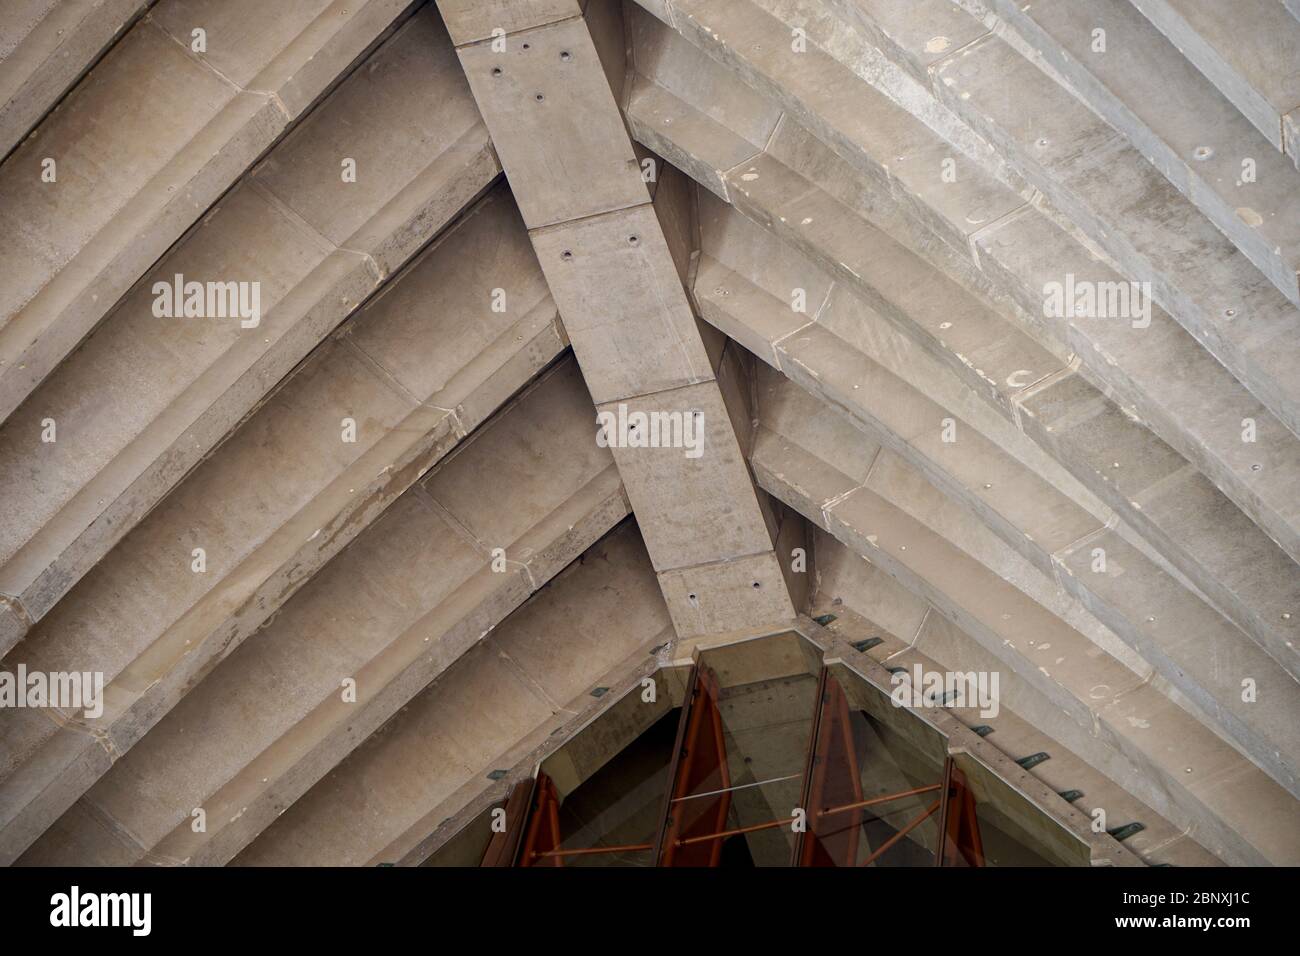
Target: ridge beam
(548,106)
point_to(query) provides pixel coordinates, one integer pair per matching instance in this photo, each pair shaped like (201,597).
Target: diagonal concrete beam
(315,244)
(415,371)
(548,106)
(145,143)
(45,47)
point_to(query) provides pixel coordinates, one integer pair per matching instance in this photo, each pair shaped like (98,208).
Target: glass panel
(875,782)
(1011,830)
(766,737)
(744,750)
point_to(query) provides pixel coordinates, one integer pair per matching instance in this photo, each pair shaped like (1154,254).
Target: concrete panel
(471,20)
(1097,692)
(1248,50)
(1068,439)
(1152,386)
(142,146)
(620,297)
(692,510)
(393,612)
(114,460)
(555,124)
(462,725)
(726,596)
(1145,87)
(45,47)
(154,627)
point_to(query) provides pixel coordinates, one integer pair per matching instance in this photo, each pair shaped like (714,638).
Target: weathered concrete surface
(570,754)
(271,719)
(848,356)
(143,145)
(999,517)
(414,381)
(1091,687)
(1248,50)
(1102,184)
(317,245)
(885,304)
(1176,387)
(1098,442)
(45,47)
(1145,88)
(868,605)
(517,685)
(547,101)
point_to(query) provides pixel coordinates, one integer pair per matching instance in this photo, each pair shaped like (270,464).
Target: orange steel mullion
(502,847)
(703,707)
(546,811)
(723,834)
(961,840)
(862,804)
(814,778)
(930,811)
(724,803)
(833,726)
(590,851)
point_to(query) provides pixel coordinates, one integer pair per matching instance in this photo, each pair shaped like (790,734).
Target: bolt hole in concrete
(539,97)
(496,71)
(633,240)
(528,46)
(757,585)
(566,56)
(566,255)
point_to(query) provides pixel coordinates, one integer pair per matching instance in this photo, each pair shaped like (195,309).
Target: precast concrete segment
(1160,372)
(879,618)
(1094,180)
(821,225)
(1141,83)
(386,617)
(1000,516)
(528,678)
(314,240)
(1248,50)
(45,47)
(360,420)
(855,361)
(1162,753)
(161,127)
(547,103)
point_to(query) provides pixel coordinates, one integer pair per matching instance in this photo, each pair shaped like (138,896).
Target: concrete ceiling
(353,566)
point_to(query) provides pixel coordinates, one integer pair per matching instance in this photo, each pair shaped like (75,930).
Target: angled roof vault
(599,342)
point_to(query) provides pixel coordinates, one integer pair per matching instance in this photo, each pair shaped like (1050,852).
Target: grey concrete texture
(1135,366)
(866,604)
(855,361)
(412,594)
(1183,769)
(1098,180)
(353,573)
(546,98)
(820,226)
(317,244)
(415,382)
(1247,50)
(142,147)
(1175,636)
(516,685)
(1143,85)
(45,47)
